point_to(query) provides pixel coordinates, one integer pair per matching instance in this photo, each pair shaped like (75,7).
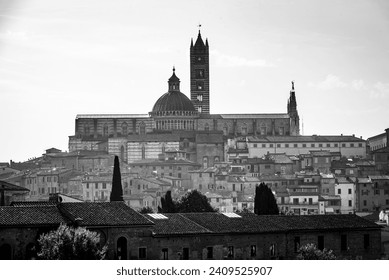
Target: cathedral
(179,123)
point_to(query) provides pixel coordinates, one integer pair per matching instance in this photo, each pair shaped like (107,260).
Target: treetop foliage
(68,243)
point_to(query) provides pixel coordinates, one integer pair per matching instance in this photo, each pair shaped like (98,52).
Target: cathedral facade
(177,122)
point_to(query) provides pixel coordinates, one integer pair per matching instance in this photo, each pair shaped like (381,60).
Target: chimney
(387,137)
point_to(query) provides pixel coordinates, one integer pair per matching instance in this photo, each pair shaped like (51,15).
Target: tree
(194,201)
(117,190)
(311,252)
(68,243)
(265,202)
(146,210)
(167,204)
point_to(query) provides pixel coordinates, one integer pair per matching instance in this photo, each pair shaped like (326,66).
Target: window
(263,145)
(104,186)
(278,145)
(205,162)
(165,253)
(272,250)
(185,253)
(335,145)
(304,145)
(199,73)
(328,145)
(87,185)
(286,145)
(376,192)
(364,203)
(366,241)
(313,145)
(343,242)
(200,85)
(350,203)
(349,191)
(142,253)
(295,145)
(352,145)
(320,242)
(387,202)
(343,145)
(253,251)
(320,145)
(209,252)
(339,191)
(270,145)
(296,243)
(230,254)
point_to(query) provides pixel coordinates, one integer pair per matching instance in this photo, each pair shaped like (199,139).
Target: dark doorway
(122,248)
(5,252)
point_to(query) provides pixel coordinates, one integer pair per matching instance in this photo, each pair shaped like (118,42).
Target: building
(345,188)
(346,145)
(380,155)
(208,236)
(179,122)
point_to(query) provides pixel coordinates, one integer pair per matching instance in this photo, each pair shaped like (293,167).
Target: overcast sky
(63,58)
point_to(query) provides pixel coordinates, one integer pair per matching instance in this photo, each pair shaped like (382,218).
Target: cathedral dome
(173,100)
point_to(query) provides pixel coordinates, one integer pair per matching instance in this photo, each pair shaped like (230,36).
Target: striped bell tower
(199,74)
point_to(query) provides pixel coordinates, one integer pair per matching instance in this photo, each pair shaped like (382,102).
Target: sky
(63,58)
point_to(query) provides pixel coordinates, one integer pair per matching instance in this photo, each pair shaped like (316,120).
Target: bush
(67,243)
(311,252)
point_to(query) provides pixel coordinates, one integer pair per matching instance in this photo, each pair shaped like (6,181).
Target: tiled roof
(304,138)
(176,224)
(255,116)
(323,222)
(29,216)
(248,223)
(103,214)
(111,116)
(303,193)
(5,186)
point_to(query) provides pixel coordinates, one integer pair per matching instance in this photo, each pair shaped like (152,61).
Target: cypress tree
(117,190)
(265,202)
(167,204)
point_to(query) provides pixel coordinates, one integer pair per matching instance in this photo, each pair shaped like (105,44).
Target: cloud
(331,82)
(379,90)
(237,61)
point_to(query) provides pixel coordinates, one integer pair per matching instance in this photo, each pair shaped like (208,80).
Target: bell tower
(293,114)
(199,74)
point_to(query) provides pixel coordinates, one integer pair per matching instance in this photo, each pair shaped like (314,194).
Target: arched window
(124,129)
(5,252)
(105,130)
(244,129)
(205,162)
(263,130)
(142,128)
(121,251)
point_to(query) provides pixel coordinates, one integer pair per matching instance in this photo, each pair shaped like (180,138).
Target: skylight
(157,216)
(232,215)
